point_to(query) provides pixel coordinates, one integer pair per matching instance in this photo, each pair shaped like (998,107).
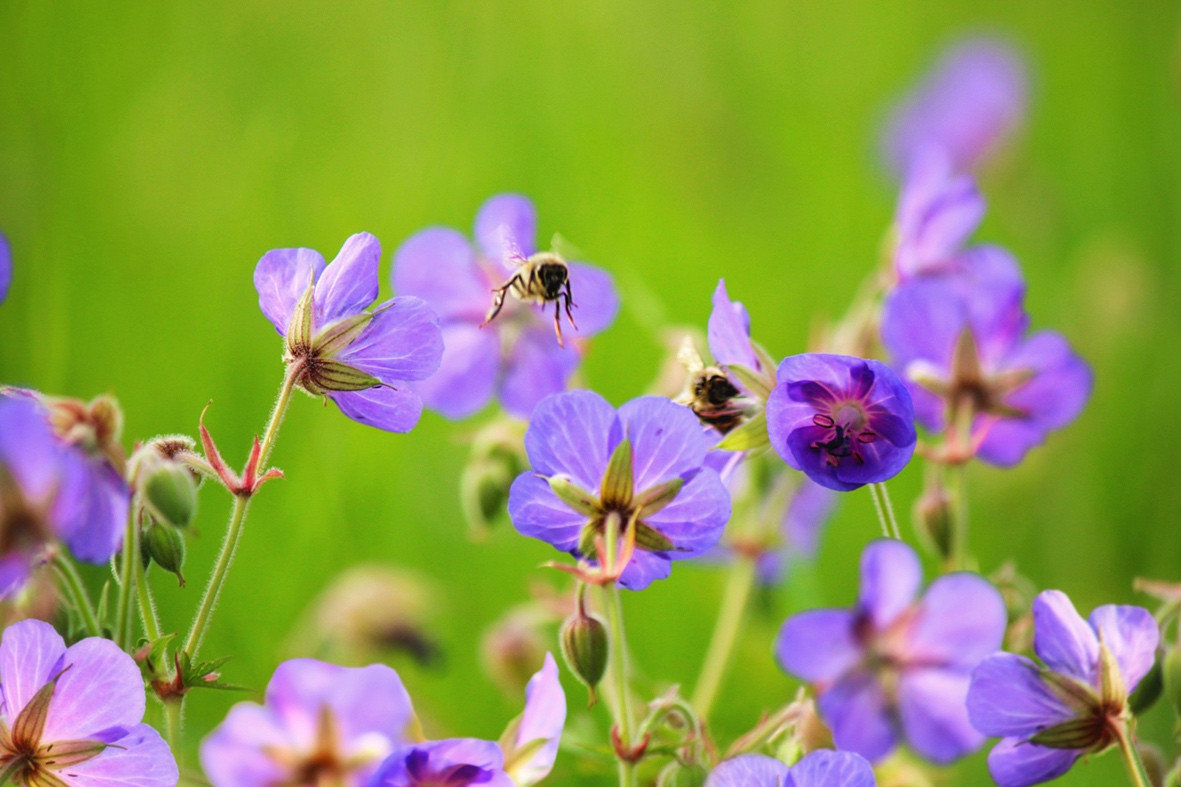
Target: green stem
(731,614)
(237,517)
(885,509)
(617,669)
(1137,773)
(147,605)
(76,590)
(130,555)
(172,726)
(957,487)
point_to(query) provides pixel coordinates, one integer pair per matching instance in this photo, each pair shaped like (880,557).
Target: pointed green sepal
(965,361)
(657,497)
(586,539)
(574,496)
(617,486)
(651,539)
(752,380)
(340,334)
(1081,733)
(1113,692)
(750,436)
(299,330)
(330,375)
(30,722)
(75,752)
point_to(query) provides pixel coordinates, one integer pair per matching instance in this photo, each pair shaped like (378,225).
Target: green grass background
(151,152)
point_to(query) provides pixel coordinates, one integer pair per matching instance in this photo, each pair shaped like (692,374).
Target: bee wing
(565,249)
(689,356)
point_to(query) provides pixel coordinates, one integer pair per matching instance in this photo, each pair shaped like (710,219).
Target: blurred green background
(151,152)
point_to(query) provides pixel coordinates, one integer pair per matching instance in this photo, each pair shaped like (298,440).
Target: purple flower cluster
(516,357)
(642,464)
(73,715)
(362,360)
(1050,716)
(897,665)
(52,490)
(325,724)
(820,768)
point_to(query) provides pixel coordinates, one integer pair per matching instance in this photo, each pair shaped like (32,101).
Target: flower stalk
(1137,773)
(731,615)
(72,584)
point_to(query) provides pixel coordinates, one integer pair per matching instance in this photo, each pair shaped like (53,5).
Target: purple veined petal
(535,368)
(569,434)
(28,449)
(349,284)
(1062,639)
(857,711)
(937,212)
(15,569)
(666,440)
(384,407)
(819,646)
(729,331)
(696,517)
(140,758)
(934,718)
(890,578)
(439,266)
(971,100)
(811,506)
(645,568)
(467,761)
(1131,634)
(234,754)
(825,768)
(5,267)
(281,277)
(798,452)
(506,225)
(596,301)
(537,512)
(467,373)
(543,719)
(92,510)
(101,691)
(749,770)
(961,619)
(1014,763)
(1007,697)
(831,371)
(31,654)
(402,342)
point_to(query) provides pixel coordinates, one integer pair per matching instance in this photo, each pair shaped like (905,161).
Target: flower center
(847,426)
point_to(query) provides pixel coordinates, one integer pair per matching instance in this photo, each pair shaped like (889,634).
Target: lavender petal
(281,277)
(506,225)
(934,717)
(890,579)
(1014,763)
(818,646)
(439,266)
(391,409)
(349,284)
(1131,634)
(31,654)
(402,342)
(1007,697)
(566,437)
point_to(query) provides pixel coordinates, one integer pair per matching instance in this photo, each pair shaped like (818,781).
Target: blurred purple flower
(896,666)
(974,97)
(843,421)
(362,360)
(542,720)
(938,211)
(729,331)
(52,490)
(320,723)
(821,768)
(72,715)
(1050,716)
(959,341)
(643,464)
(456,762)
(516,356)
(5,267)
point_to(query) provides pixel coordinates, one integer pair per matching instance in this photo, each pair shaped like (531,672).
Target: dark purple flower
(1050,716)
(318,722)
(5,267)
(516,356)
(959,341)
(362,360)
(52,490)
(642,464)
(938,211)
(73,715)
(973,98)
(896,666)
(821,768)
(843,421)
(456,762)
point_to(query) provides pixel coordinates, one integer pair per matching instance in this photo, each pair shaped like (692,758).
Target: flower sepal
(249,482)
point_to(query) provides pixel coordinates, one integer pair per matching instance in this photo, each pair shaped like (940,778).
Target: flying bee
(708,391)
(541,278)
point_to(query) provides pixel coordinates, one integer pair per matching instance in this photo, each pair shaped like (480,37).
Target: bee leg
(558,323)
(568,297)
(498,299)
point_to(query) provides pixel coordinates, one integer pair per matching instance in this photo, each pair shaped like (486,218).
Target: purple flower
(1050,716)
(50,490)
(543,720)
(821,768)
(72,715)
(319,723)
(642,464)
(938,211)
(456,762)
(959,341)
(843,421)
(896,666)
(516,356)
(973,98)
(362,360)
(5,267)
(729,332)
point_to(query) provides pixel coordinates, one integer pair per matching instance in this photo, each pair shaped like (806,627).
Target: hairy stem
(130,555)
(731,614)
(617,669)
(1137,773)
(885,509)
(72,584)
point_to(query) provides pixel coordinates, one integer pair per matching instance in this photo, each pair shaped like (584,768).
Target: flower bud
(166,546)
(933,520)
(495,461)
(170,493)
(513,649)
(583,639)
